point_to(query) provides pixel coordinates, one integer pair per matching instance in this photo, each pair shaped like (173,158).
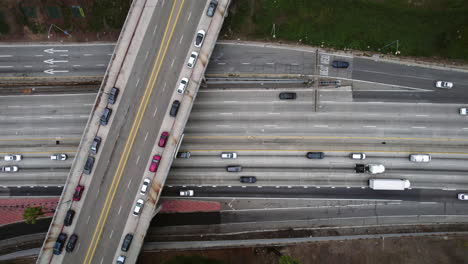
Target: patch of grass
(4,27)
(423,28)
(108,13)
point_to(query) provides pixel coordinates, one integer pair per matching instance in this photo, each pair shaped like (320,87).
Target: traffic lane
(384,131)
(335,176)
(396,70)
(460,96)
(213,147)
(48,191)
(149,131)
(233,58)
(34,60)
(277,159)
(409,76)
(293,192)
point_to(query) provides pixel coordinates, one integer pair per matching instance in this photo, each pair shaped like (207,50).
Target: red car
(78,192)
(155,163)
(163,139)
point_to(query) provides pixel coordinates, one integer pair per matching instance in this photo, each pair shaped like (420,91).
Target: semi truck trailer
(389,184)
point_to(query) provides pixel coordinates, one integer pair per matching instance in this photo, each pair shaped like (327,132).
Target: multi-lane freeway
(373,112)
(272,136)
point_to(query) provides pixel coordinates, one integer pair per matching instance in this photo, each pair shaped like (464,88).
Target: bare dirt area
(408,250)
(61,20)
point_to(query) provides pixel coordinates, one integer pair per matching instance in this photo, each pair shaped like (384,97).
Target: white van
(420,157)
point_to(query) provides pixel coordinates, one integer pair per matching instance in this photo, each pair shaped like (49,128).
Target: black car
(105,116)
(183,154)
(58,247)
(88,167)
(248,179)
(287,96)
(212,8)
(113,95)
(69,217)
(315,155)
(126,243)
(340,64)
(234,168)
(174,108)
(95,146)
(71,243)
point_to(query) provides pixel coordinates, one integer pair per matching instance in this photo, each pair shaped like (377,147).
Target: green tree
(31,214)
(285,259)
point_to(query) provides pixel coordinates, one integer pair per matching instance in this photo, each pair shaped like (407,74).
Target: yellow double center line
(131,139)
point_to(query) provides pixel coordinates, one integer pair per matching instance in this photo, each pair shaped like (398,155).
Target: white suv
(463,196)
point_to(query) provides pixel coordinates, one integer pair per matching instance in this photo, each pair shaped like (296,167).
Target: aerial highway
(138,130)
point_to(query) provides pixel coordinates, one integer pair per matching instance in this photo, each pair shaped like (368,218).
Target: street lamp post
(53,25)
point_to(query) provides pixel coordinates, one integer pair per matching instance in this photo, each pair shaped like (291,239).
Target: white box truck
(389,184)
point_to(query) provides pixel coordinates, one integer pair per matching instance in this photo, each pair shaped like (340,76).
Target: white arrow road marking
(51,51)
(52,71)
(52,61)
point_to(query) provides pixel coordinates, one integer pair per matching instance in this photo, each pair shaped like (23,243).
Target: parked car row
(60,243)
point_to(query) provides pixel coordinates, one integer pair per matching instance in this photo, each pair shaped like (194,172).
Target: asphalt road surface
(271,137)
(372,79)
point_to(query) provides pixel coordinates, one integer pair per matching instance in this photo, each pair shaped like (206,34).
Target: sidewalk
(11,210)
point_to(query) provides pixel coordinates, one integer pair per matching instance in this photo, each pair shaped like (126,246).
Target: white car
(59,156)
(463,196)
(10,168)
(228,155)
(199,38)
(13,157)
(183,83)
(192,60)
(375,168)
(420,157)
(463,111)
(144,186)
(121,259)
(138,207)
(444,84)
(357,156)
(186,192)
